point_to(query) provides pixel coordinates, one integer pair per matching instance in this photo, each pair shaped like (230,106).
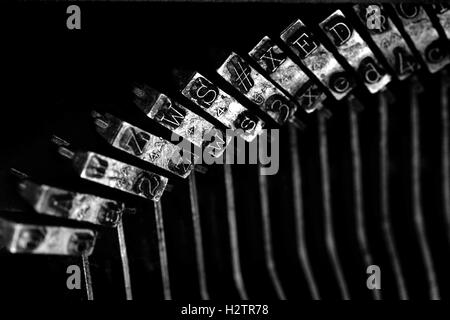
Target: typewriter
(226,151)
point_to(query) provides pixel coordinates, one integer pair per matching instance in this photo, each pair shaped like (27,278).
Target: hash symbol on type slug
(374,19)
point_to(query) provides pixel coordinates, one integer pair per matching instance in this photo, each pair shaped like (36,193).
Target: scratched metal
(222,106)
(257,88)
(87,277)
(390,41)
(442,11)
(179,120)
(34,239)
(119,175)
(318,59)
(425,37)
(71,205)
(356,51)
(287,74)
(143,145)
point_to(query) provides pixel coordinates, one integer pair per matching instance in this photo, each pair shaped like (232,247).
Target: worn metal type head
(442,11)
(71,205)
(144,145)
(118,175)
(388,39)
(41,239)
(222,106)
(287,74)
(425,37)
(355,50)
(254,86)
(318,59)
(178,119)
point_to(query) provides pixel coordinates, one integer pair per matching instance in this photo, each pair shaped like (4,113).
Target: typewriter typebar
(71,205)
(180,120)
(143,145)
(318,59)
(356,51)
(287,74)
(222,106)
(389,40)
(257,88)
(40,239)
(425,37)
(118,175)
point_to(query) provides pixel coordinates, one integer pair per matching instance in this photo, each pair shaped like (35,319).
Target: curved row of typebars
(384,98)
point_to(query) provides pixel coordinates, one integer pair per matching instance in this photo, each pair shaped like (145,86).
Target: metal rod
(358,192)
(87,277)
(329,232)
(231,212)
(267,237)
(162,250)
(198,237)
(299,219)
(417,197)
(384,199)
(445,150)
(124,258)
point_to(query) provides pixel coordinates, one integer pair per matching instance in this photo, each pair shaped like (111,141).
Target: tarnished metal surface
(287,74)
(71,205)
(353,48)
(388,39)
(257,88)
(178,119)
(425,37)
(318,59)
(34,239)
(222,106)
(119,175)
(143,145)
(442,11)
